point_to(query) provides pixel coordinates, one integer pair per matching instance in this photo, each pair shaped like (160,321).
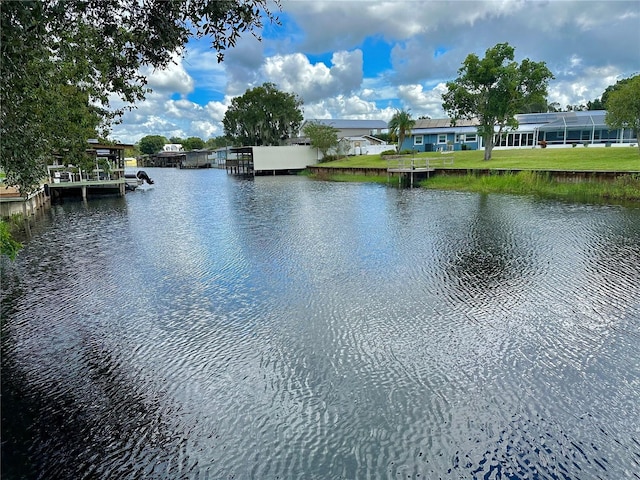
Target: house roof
(444,123)
(574,120)
(343,124)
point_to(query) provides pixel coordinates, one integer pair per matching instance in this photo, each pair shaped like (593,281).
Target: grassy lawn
(625,159)
(527,182)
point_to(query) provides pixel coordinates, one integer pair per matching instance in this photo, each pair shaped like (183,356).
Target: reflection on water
(214,327)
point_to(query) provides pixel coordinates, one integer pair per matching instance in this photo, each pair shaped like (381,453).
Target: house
(554,129)
(431,135)
(350,128)
(172,147)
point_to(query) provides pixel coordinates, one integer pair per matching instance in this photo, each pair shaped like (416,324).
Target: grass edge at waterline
(625,188)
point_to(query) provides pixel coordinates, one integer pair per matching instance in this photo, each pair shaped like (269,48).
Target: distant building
(350,128)
(172,147)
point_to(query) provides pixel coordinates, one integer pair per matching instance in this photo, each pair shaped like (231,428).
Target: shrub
(387,152)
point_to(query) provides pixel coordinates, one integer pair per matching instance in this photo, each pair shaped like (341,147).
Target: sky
(366,59)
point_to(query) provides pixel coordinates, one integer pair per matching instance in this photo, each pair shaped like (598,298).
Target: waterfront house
(553,129)
(431,135)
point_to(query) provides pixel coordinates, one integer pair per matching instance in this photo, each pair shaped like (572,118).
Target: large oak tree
(65,61)
(263,116)
(495,88)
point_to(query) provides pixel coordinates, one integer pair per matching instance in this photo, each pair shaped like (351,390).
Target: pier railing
(407,163)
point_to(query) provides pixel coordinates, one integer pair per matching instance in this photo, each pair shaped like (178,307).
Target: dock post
(84,192)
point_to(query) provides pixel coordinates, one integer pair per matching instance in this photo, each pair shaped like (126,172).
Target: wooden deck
(102,186)
(415,167)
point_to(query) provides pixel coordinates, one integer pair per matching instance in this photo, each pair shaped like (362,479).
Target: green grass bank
(531,179)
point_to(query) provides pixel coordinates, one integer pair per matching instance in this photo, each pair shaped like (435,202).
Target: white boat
(137,179)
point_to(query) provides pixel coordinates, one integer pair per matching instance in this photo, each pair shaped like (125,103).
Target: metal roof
(343,124)
(575,120)
(441,123)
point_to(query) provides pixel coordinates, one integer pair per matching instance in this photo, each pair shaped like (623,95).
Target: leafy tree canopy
(323,137)
(152,144)
(493,89)
(623,106)
(64,62)
(400,126)
(8,246)
(263,116)
(218,142)
(192,143)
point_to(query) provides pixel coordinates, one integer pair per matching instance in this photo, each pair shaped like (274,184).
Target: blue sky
(365,59)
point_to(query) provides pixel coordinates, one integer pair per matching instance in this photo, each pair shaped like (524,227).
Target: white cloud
(173,79)
(294,73)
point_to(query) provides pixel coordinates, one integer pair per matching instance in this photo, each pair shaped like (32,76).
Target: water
(214,327)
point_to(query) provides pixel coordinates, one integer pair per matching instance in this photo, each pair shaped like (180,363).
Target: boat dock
(414,168)
(106,178)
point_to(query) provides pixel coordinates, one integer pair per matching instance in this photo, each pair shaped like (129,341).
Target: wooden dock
(107,186)
(405,167)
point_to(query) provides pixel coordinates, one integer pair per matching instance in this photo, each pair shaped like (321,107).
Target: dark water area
(214,327)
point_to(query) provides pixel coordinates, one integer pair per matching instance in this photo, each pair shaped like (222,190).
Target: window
(418,140)
(442,138)
(471,137)
(529,139)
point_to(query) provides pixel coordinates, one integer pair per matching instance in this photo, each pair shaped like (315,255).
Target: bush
(8,246)
(387,152)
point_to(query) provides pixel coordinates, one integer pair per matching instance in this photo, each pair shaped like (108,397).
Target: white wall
(295,157)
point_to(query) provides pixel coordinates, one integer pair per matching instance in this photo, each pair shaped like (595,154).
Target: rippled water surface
(213,327)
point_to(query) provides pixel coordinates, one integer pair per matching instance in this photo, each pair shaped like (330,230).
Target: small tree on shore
(322,137)
(623,106)
(494,89)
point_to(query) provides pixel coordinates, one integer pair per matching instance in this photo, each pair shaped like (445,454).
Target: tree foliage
(263,116)
(494,89)
(323,137)
(70,67)
(192,143)
(8,246)
(400,126)
(623,106)
(218,142)
(152,144)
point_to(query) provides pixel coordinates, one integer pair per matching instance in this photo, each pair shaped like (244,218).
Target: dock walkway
(410,167)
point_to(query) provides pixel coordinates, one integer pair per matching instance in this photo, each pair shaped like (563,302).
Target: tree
(94,49)
(623,106)
(400,126)
(263,116)
(152,144)
(8,246)
(218,142)
(323,137)
(192,143)
(494,89)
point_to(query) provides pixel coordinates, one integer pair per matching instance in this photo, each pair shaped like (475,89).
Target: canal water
(214,327)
